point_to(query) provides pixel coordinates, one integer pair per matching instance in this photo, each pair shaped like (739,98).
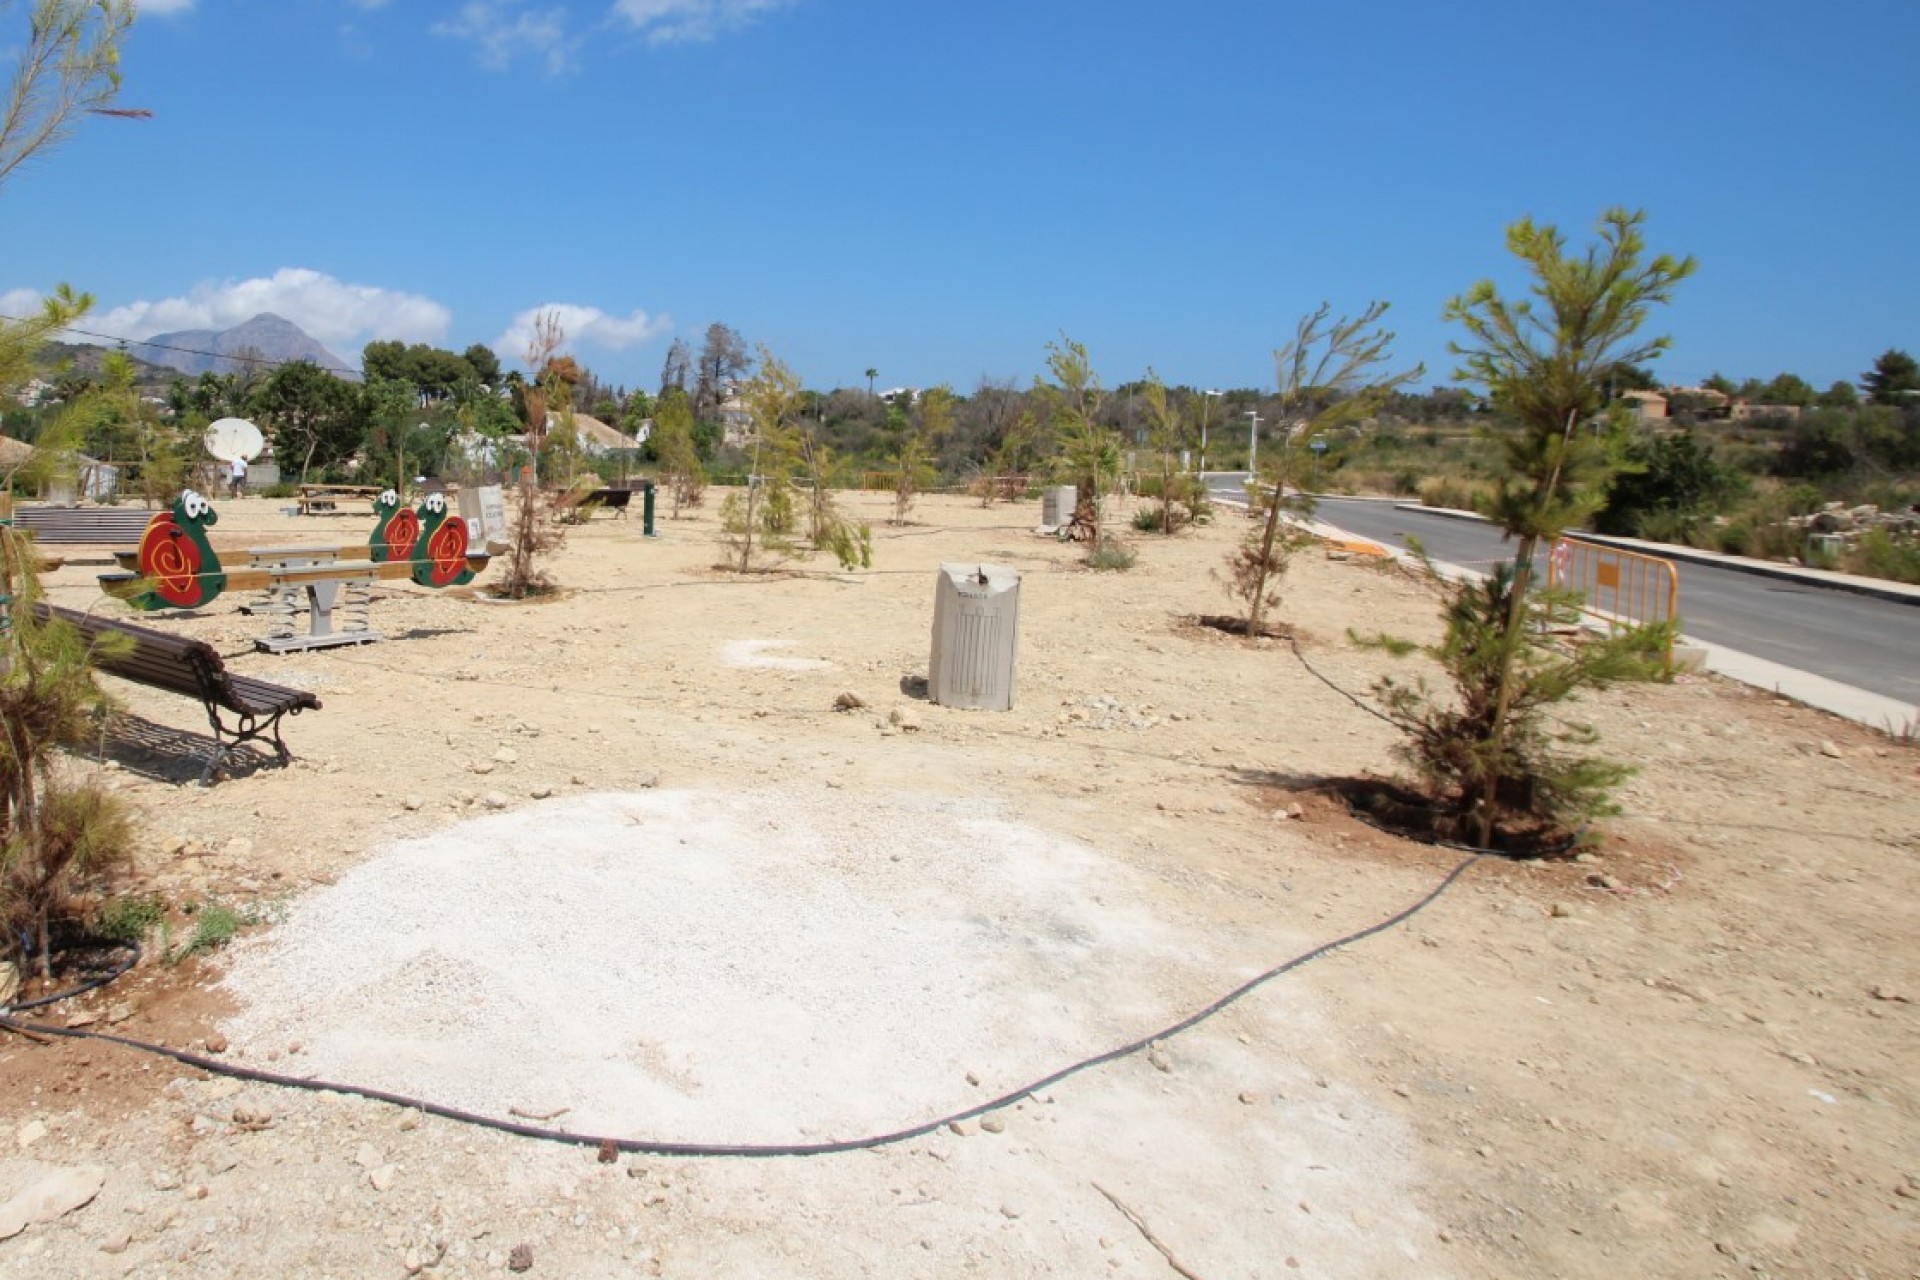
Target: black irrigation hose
(92,984)
(1354,698)
(641,1146)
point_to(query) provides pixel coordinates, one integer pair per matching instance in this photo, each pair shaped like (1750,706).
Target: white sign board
(485,511)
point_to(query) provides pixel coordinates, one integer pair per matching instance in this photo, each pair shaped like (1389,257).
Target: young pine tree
(1541,360)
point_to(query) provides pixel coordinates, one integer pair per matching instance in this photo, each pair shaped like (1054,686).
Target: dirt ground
(1692,1053)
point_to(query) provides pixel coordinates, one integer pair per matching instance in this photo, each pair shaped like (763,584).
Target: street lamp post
(1253,444)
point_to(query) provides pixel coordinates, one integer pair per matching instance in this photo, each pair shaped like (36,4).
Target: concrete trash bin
(976,636)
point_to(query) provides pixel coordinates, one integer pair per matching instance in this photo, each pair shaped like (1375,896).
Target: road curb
(1896,592)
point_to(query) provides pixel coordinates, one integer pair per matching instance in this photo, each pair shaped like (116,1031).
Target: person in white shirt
(238,483)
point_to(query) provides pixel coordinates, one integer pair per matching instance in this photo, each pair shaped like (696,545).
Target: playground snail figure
(440,552)
(177,559)
(396,532)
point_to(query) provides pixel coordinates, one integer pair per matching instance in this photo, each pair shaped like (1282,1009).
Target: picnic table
(327,497)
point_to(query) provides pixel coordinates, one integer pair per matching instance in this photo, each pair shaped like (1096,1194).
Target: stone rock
(30,1132)
(1885,991)
(412,804)
(239,847)
(382,1178)
(543,791)
(506,755)
(1560,911)
(1158,1059)
(368,1157)
(849,702)
(1831,751)
(53,1196)
(117,1243)
(903,719)
(216,1043)
(481,766)
(993,1124)
(494,800)
(520,1258)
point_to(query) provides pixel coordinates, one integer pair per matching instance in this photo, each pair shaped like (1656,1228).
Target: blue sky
(938,190)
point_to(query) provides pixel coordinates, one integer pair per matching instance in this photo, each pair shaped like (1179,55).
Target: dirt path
(1692,1055)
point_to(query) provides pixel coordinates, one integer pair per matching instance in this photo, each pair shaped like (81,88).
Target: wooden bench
(193,668)
(83,524)
(577,508)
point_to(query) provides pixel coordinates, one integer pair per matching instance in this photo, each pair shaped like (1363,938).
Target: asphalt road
(1857,640)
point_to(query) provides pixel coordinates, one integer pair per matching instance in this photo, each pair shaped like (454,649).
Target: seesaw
(176,566)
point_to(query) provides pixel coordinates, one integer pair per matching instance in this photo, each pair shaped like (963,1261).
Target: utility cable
(645,1146)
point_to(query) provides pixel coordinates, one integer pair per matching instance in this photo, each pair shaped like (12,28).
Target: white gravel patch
(692,965)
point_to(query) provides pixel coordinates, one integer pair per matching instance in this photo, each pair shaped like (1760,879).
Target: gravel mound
(793,964)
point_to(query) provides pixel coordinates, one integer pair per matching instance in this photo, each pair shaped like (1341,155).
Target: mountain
(266,336)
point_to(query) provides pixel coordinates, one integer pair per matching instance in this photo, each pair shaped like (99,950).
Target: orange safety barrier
(1625,587)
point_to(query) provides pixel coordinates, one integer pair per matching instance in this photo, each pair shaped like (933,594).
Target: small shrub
(1111,555)
(1878,554)
(129,919)
(1444,491)
(214,926)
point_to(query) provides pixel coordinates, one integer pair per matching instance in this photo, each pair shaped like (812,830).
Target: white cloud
(668,21)
(579,324)
(21,304)
(503,30)
(152,8)
(344,317)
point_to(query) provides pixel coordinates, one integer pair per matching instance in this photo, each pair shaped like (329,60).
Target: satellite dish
(232,438)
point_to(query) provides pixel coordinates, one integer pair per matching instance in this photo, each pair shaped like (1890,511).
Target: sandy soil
(1691,1055)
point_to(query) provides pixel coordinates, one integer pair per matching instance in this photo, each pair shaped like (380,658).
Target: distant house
(595,436)
(736,421)
(1647,406)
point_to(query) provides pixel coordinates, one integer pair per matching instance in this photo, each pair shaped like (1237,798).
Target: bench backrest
(83,524)
(178,663)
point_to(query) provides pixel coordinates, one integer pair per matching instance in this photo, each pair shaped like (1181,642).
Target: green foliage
(58,838)
(68,67)
(128,918)
(1542,361)
(1502,727)
(759,519)
(1330,377)
(1667,485)
(1259,564)
(1088,451)
(1111,556)
(1893,380)
(214,926)
(1880,554)
(310,415)
(679,458)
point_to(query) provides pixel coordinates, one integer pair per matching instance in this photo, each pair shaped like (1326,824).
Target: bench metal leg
(246,729)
